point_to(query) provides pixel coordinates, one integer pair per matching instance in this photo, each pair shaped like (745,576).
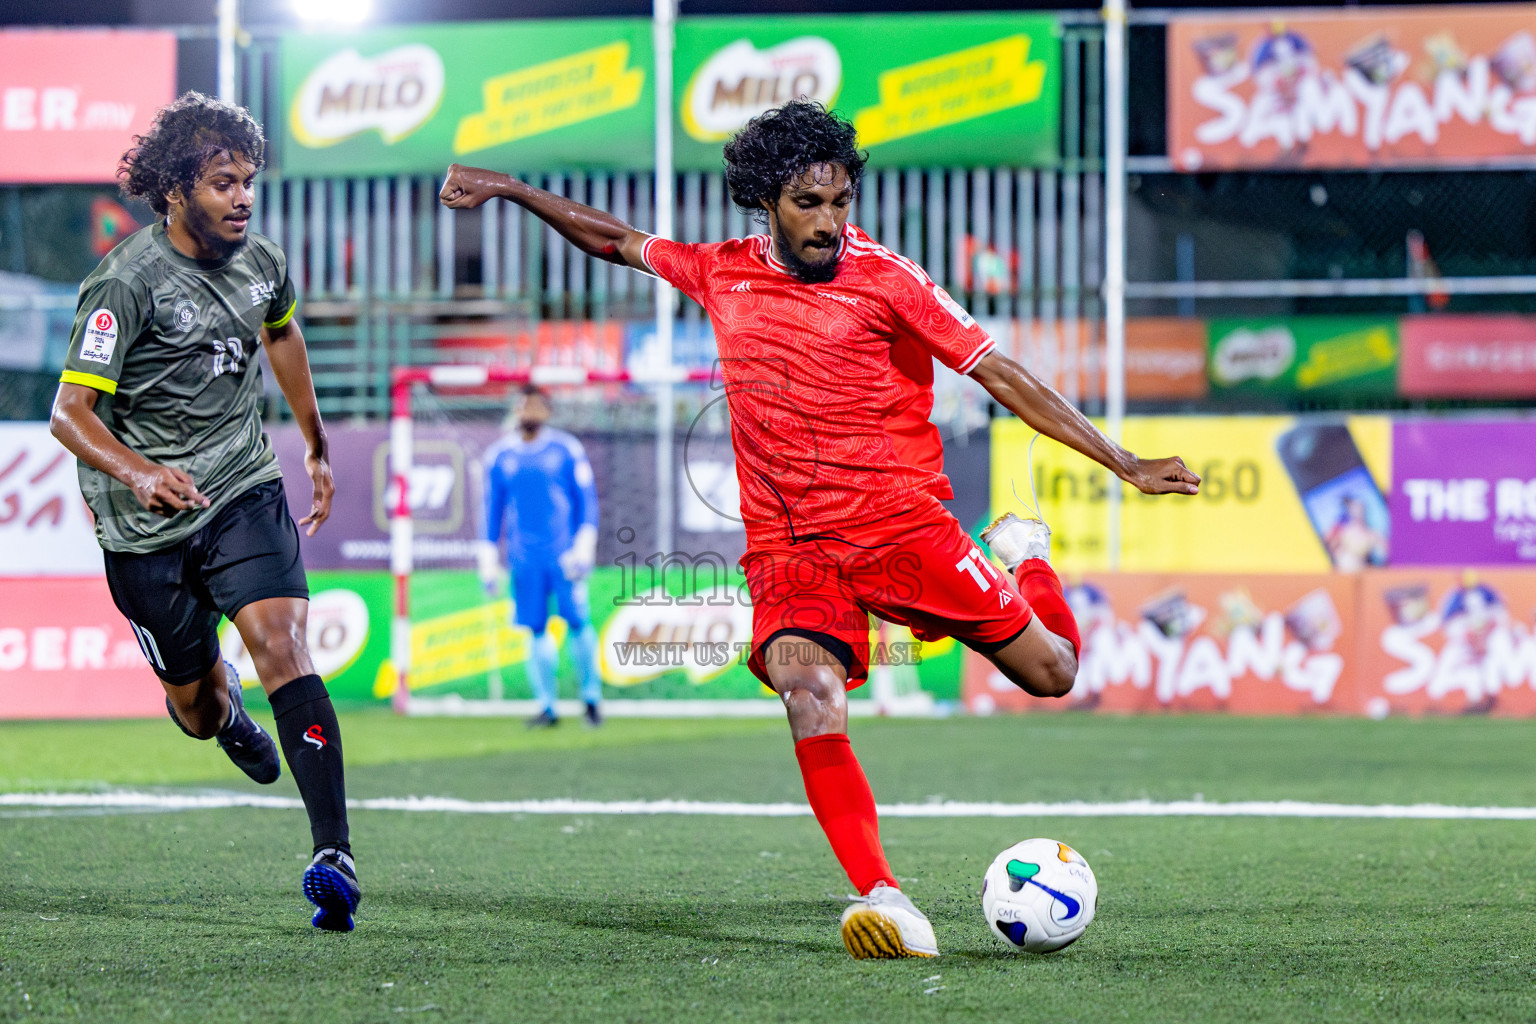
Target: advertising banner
(1165,358)
(1311,356)
(447,486)
(67,652)
(514,96)
(68,110)
(1452,84)
(45,527)
(1450,642)
(1379,643)
(1487,356)
(1249,645)
(1281,494)
(969,90)
(1464,492)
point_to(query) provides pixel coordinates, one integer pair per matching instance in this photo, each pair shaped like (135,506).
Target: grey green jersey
(171,342)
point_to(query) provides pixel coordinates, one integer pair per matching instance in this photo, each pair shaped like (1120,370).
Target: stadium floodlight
(333,12)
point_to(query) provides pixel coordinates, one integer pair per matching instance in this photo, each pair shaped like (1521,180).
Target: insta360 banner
(1426,86)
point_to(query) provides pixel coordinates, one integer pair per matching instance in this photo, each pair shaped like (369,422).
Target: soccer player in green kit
(159,401)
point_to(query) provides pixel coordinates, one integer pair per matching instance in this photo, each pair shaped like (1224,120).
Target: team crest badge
(185,314)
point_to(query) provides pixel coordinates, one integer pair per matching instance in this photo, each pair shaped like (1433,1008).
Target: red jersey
(830,385)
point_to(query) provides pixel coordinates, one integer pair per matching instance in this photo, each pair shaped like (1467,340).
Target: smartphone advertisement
(1343,502)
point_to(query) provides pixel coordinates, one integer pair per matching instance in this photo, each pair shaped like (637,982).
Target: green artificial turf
(196,916)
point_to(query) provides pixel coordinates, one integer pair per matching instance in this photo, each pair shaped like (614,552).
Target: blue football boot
(330,883)
(247,743)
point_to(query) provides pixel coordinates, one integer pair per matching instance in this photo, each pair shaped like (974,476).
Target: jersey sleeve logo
(100,338)
(955,309)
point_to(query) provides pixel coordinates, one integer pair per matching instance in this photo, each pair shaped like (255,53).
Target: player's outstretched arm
(290,365)
(164,490)
(594,232)
(1037,404)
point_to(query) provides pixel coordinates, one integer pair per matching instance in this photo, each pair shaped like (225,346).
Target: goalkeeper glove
(489,565)
(577,560)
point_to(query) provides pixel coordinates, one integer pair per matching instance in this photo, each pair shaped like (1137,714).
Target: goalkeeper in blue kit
(540,496)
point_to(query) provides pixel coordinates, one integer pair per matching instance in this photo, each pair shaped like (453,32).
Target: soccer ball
(1039,895)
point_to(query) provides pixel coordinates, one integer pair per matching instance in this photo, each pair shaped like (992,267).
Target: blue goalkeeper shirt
(540,493)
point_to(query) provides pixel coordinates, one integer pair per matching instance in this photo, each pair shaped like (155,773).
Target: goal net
(667,603)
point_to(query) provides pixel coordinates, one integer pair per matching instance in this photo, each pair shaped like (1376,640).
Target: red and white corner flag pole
(398,497)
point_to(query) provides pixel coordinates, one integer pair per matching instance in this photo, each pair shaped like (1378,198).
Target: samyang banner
(515,96)
(1408,87)
(1381,643)
(969,90)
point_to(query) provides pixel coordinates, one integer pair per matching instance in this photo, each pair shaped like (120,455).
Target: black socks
(311,739)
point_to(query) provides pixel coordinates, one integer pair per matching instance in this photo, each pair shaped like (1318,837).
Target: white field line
(138,801)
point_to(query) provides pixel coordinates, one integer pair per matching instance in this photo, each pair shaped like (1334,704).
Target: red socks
(845,808)
(1040,587)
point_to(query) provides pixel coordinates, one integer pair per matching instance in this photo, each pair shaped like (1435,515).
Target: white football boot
(1015,541)
(886,926)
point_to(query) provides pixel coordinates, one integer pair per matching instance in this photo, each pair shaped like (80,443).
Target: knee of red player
(812,684)
(1038,661)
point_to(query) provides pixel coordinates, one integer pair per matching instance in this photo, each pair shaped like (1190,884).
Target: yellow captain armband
(90,380)
(282,320)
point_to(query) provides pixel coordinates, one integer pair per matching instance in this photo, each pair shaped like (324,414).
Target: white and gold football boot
(886,926)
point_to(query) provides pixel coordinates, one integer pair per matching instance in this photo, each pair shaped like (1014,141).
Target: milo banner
(675,628)
(516,96)
(1384,642)
(1305,357)
(972,90)
(1451,84)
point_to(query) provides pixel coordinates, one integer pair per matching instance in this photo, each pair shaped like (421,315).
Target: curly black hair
(181,141)
(779,145)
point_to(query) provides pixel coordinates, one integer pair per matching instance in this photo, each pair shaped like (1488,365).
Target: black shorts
(173,598)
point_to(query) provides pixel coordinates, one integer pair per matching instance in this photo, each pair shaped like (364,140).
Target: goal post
(460,638)
(402,442)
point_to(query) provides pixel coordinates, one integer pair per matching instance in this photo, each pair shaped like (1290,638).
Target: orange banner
(1250,645)
(1388,642)
(1165,356)
(1448,642)
(1426,86)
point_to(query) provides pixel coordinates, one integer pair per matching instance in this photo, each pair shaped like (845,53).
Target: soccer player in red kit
(827,341)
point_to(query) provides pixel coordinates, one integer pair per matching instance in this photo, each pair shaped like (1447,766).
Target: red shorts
(918,569)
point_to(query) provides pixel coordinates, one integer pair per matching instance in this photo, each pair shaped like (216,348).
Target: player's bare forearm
(290,365)
(164,490)
(595,232)
(1041,407)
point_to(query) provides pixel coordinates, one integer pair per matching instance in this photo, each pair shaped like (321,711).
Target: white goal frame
(889,695)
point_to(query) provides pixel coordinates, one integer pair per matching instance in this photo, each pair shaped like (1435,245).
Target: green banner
(1307,356)
(653,644)
(516,96)
(959,90)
